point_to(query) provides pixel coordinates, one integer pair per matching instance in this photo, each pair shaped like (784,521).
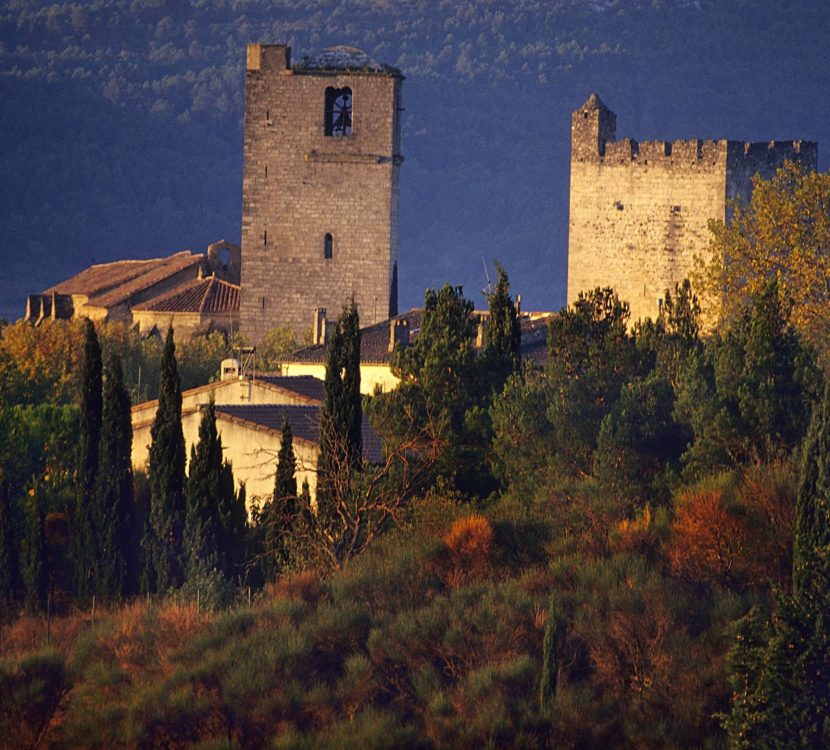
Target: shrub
(304,585)
(31,690)
(735,531)
(469,541)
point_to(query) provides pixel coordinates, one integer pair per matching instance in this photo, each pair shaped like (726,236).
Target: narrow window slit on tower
(266,171)
(265,237)
(328,242)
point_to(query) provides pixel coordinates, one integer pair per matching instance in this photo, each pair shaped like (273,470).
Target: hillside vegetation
(628,547)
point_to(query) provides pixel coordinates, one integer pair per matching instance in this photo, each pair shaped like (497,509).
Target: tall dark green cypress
(10,580)
(550,659)
(233,521)
(35,565)
(203,527)
(84,534)
(285,486)
(162,540)
(341,416)
(504,334)
(785,701)
(280,512)
(114,511)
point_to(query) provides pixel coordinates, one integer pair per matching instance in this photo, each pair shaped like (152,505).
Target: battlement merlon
(593,139)
(269,57)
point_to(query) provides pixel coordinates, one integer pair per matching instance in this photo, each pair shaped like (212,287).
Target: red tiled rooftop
(107,284)
(209,295)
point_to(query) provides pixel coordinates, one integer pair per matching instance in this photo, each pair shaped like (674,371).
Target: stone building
(206,305)
(379,341)
(320,187)
(111,291)
(639,212)
(250,410)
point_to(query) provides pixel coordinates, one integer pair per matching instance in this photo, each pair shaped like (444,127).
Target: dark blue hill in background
(120,125)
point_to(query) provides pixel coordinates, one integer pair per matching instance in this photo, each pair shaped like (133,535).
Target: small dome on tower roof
(343,57)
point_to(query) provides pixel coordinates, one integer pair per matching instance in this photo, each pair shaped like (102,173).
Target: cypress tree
(280,512)
(84,533)
(550,659)
(115,507)
(202,528)
(787,687)
(35,568)
(341,415)
(285,486)
(10,581)
(233,520)
(504,335)
(162,540)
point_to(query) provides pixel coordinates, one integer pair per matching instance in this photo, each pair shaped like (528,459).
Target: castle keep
(320,188)
(639,212)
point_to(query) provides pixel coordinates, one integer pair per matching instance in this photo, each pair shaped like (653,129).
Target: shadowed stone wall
(300,185)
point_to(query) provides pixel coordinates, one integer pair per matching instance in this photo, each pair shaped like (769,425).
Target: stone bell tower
(320,187)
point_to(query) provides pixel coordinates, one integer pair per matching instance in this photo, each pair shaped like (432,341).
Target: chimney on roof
(480,331)
(318,330)
(398,334)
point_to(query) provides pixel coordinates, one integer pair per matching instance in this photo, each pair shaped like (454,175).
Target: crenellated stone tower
(320,188)
(639,212)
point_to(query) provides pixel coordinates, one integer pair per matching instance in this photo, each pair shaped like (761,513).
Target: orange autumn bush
(469,543)
(735,533)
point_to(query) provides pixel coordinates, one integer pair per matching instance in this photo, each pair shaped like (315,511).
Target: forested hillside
(121,121)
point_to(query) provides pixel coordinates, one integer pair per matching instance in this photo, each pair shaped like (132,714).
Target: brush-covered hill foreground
(556,622)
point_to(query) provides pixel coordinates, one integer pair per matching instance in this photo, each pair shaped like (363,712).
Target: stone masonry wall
(639,212)
(300,184)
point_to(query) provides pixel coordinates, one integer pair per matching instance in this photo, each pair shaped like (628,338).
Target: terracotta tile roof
(374,341)
(208,295)
(304,420)
(108,284)
(303,385)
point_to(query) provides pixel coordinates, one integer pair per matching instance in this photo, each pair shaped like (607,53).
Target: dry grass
(127,638)
(28,633)
(304,585)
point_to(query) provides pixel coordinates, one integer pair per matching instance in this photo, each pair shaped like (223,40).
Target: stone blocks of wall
(640,212)
(300,185)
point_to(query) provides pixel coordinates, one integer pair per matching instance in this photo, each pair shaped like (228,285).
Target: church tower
(320,188)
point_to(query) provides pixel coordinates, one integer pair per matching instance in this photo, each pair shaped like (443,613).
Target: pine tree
(84,534)
(10,581)
(441,381)
(114,516)
(203,528)
(162,540)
